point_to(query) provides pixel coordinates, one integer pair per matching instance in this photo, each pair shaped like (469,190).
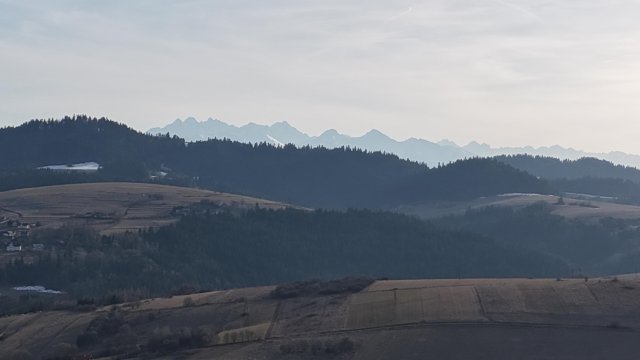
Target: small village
(14,236)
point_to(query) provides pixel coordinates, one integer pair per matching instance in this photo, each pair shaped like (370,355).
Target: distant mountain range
(431,153)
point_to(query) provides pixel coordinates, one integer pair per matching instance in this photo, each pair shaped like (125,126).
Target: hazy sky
(506,72)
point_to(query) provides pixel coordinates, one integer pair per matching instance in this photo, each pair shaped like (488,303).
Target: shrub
(164,340)
(21,355)
(86,301)
(314,287)
(316,347)
(87,339)
(185,289)
(63,351)
(105,326)
(294,347)
(188,302)
(345,345)
(113,299)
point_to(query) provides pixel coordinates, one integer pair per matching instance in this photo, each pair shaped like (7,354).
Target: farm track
(19,214)
(419,325)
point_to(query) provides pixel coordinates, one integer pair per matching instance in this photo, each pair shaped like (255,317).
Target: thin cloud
(400,15)
(457,69)
(519,9)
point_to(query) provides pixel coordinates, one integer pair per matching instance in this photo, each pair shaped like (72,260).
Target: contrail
(519,9)
(398,16)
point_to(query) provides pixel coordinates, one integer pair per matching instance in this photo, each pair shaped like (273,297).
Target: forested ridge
(583,176)
(552,168)
(608,246)
(259,247)
(313,177)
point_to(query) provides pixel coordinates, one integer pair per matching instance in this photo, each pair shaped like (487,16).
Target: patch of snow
(37,288)
(274,140)
(86,166)
(589,196)
(522,194)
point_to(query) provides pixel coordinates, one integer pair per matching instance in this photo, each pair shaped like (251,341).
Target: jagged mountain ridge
(281,133)
(421,150)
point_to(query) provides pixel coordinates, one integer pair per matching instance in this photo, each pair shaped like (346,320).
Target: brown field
(413,319)
(574,208)
(122,206)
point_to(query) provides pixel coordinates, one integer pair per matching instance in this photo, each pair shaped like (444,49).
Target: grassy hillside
(586,208)
(346,319)
(114,207)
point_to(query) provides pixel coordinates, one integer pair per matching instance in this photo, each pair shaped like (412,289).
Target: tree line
(314,177)
(260,247)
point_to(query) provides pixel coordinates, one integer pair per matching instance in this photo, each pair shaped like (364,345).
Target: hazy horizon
(365,132)
(505,73)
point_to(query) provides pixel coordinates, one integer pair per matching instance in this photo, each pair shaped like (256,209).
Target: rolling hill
(554,168)
(582,176)
(445,319)
(578,207)
(110,208)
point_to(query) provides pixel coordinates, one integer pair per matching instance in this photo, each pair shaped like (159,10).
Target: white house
(14,248)
(9,234)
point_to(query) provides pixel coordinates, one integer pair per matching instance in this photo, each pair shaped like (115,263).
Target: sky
(503,72)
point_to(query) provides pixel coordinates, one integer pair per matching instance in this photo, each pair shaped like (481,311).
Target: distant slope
(114,207)
(415,319)
(583,176)
(556,151)
(625,191)
(585,209)
(594,238)
(414,149)
(312,177)
(82,139)
(553,168)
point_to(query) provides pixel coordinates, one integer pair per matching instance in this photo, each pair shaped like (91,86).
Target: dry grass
(248,317)
(122,206)
(573,208)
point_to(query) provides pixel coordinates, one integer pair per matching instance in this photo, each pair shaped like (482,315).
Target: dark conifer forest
(261,247)
(313,177)
(552,168)
(583,176)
